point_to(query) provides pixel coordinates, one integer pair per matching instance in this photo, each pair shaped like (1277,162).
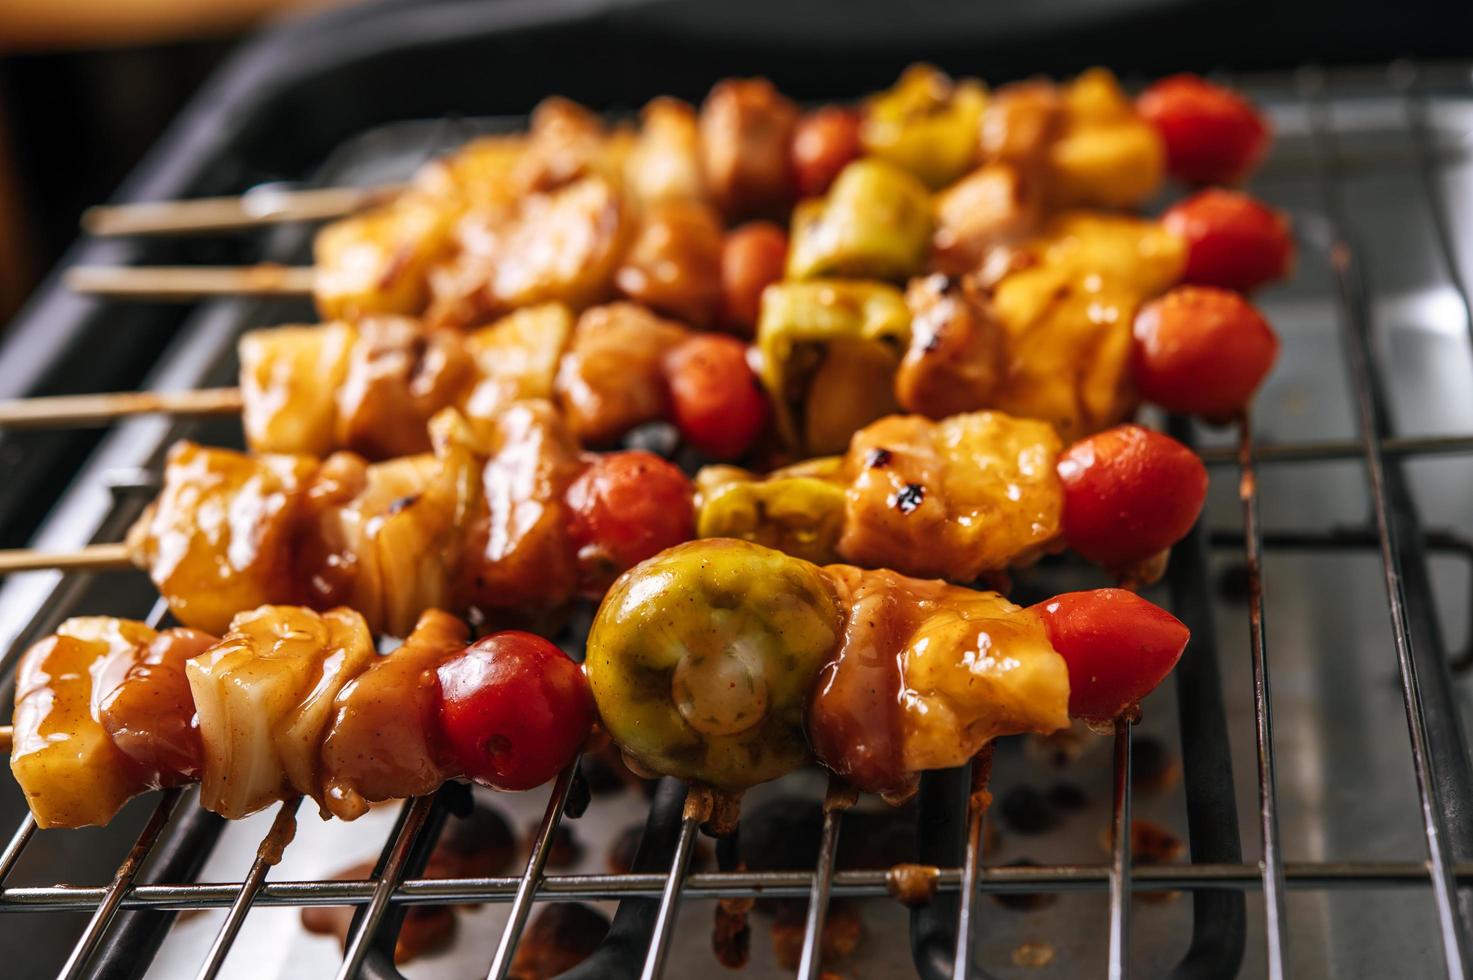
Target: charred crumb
(878,458)
(1154,767)
(843,929)
(564,851)
(561,935)
(479,845)
(403,503)
(912,885)
(1068,797)
(1027,811)
(909,498)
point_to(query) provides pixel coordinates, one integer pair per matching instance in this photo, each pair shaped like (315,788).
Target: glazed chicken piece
(386,538)
(219,537)
(289,383)
(72,773)
(926,674)
(380,743)
(673,264)
(399,375)
(664,165)
(1067,307)
(954,499)
(480,174)
(517,358)
(951,499)
(372,387)
(560,245)
(378,261)
(141,697)
(612,377)
(746,130)
(517,552)
(567,142)
(958,351)
(265,695)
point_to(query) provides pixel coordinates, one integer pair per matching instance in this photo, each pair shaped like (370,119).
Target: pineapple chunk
(289,378)
(64,760)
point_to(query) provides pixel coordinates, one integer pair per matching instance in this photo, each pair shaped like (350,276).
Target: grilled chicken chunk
(380,743)
(612,377)
(746,129)
(925,675)
(664,164)
(951,499)
(141,697)
(72,773)
(560,245)
(219,537)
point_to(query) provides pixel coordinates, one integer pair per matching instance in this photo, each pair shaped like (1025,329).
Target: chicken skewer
(371,387)
(524,522)
(288,703)
(1212,136)
(758,655)
(726,664)
(555,208)
(1060,336)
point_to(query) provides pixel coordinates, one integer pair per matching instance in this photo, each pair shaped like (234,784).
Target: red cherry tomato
(514,710)
(752,258)
(719,404)
(1202,351)
(824,142)
(624,508)
(1129,494)
(1118,647)
(1213,135)
(1232,240)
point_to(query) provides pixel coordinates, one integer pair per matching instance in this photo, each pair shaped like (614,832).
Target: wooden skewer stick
(93,558)
(85,410)
(190,282)
(7,739)
(262,206)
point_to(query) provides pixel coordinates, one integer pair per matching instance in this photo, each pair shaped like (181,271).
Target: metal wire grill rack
(1217,877)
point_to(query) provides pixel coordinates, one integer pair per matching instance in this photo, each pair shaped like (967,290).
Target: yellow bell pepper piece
(1107,155)
(875,223)
(799,511)
(927,124)
(829,349)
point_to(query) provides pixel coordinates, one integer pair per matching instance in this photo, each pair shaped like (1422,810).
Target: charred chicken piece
(218,539)
(957,498)
(612,377)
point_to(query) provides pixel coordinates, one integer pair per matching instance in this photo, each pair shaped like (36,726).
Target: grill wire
(1217,876)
